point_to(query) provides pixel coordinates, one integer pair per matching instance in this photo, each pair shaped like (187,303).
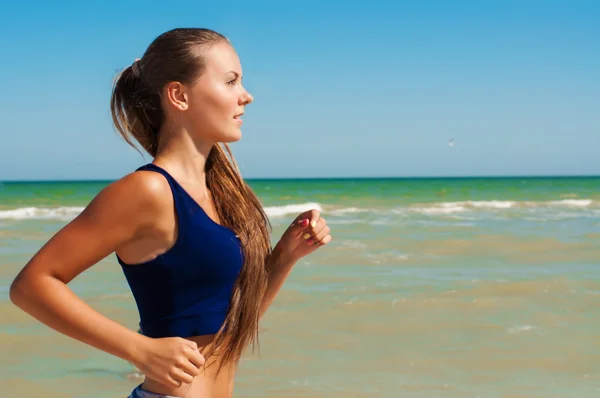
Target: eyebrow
(237,75)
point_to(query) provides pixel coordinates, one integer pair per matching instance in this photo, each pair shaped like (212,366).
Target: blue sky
(341,89)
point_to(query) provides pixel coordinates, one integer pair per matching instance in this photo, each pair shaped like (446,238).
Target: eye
(232,82)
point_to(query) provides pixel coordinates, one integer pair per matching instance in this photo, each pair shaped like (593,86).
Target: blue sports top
(186,290)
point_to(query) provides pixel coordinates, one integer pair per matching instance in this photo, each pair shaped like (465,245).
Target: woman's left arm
(307,233)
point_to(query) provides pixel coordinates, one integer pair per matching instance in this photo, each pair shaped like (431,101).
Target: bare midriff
(208,384)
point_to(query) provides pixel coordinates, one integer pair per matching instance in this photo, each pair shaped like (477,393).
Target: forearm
(51,302)
(279,270)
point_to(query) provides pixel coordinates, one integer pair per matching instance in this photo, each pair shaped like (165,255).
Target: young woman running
(190,235)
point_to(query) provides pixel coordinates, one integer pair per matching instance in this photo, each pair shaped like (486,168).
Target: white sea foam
(572,202)
(41,213)
(516,329)
(428,209)
(491,204)
(443,208)
(280,211)
(68,213)
(350,210)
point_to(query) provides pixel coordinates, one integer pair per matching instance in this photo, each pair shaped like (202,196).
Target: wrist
(279,259)
(135,350)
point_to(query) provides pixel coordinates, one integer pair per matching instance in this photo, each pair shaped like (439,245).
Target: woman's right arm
(124,211)
(114,217)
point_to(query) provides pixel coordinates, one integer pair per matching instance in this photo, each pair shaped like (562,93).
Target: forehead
(222,58)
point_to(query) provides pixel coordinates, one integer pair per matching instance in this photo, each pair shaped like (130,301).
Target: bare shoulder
(132,197)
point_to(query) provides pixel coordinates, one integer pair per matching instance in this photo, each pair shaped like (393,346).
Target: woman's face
(217,98)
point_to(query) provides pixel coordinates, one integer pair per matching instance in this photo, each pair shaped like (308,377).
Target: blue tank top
(186,291)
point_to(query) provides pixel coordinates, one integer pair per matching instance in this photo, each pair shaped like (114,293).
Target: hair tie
(135,67)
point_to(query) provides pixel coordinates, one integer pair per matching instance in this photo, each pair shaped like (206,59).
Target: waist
(208,384)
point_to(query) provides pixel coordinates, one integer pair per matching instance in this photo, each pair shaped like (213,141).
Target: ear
(177,96)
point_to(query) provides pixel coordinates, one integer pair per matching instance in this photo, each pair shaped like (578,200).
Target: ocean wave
(280,211)
(442,208)
(68,213)
(572,202)
(493,205)
(453,209)
(350,210)
(41,213)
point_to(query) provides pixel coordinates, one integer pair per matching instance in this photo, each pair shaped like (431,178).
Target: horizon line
(431,177)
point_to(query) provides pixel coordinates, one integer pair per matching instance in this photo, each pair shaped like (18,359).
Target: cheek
(213,106)
(218,103)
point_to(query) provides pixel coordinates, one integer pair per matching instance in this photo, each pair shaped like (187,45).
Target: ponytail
(136,110)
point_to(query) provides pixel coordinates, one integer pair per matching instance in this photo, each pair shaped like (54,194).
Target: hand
(307,233)
(170,361)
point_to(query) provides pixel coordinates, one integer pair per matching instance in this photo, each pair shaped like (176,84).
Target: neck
(183,156)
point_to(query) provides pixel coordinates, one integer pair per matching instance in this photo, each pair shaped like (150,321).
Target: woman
(190,235)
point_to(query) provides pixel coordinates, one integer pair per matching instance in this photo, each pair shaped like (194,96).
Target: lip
(237,118)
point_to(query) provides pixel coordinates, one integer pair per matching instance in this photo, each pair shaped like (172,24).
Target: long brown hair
(178,55)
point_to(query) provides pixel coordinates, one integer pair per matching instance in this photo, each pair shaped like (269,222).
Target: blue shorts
(141,393)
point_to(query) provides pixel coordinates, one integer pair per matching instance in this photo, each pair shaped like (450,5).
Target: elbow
(30,288)
(19,290)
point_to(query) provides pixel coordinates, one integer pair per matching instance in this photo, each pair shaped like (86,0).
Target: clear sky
(341,88)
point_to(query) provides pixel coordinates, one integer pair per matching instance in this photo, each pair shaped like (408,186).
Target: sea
(431,287)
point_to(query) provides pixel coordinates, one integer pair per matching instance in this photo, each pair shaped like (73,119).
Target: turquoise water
(467,287)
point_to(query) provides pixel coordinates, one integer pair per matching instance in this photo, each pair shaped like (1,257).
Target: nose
(246,98)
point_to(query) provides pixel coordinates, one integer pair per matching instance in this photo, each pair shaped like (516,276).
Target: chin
(232,137)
